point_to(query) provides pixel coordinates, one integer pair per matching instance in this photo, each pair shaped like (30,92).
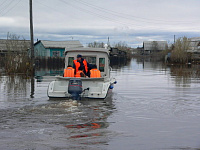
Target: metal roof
(87,49)
(4,43)
(60,44)
(194,39)
(149,45)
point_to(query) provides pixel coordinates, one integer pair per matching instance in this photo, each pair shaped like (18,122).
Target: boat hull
(92,87)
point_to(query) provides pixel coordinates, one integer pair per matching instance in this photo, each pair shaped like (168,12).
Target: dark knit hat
(79,55)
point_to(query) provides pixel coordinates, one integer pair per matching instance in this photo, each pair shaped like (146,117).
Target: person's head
(79,57)
(69,66)
(94,67)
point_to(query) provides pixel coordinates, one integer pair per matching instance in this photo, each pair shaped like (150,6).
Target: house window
(101,64)
(56,53)
(70,61)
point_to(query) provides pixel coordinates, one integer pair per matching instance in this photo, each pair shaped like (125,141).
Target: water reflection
(72,124)
(14,86)
(181,75)
(39,72)
(184,75)
(118,62)
(149,108)
(95,123)
(32,86)
(149,62)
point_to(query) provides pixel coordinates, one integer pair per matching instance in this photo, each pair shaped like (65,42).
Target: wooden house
(194,45)
(154,46)
(46,49)
(13,46)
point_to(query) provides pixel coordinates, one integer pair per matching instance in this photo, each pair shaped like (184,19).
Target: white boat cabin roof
(88,49)
(94,56)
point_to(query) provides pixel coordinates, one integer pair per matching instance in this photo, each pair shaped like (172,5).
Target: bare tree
(96,44)
(121,46)
(179,53)
(16,58)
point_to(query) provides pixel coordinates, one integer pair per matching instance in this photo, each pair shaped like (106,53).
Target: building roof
(15,46)
(163,42)
(150,45)
(60,44)
(88,49)
(194,39)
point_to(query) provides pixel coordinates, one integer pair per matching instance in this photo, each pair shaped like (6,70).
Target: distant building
(137,51)
(54,48)
(13,46)
(116,52)
(194,45)
(154,46)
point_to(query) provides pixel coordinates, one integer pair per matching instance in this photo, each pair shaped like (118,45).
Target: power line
(11,8)
(99,15)
(6,6)
(128,16)
(154,25)
(52,8)
(104,14)
(83,10)
(1,4)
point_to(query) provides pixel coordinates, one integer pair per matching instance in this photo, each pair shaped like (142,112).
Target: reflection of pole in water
(32,86)
(32,82)
(143,63)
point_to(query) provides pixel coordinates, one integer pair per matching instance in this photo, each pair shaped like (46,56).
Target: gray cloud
(94,20)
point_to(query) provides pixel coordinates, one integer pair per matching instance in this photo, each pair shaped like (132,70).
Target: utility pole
(31,35)
(108,43)
(32,51)
(174,39)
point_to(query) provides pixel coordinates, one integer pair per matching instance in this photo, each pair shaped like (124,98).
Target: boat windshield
(101,64)
(70,61)
(90,59)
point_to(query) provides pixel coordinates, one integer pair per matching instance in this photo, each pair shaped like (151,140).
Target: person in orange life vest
(94,72)
(80,73)
(69,72)
(80,62)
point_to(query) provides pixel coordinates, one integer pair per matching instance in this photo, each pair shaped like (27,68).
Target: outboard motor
(75,88)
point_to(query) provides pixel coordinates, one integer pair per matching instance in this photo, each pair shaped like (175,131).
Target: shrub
(179,53)
(16,59)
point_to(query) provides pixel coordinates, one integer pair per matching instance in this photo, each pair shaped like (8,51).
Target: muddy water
(152,107)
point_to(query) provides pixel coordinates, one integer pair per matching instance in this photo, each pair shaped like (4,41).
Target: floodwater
(152,107)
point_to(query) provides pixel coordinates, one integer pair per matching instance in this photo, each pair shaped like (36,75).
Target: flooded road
(152,107)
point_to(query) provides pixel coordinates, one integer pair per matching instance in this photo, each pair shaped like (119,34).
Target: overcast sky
(132,21)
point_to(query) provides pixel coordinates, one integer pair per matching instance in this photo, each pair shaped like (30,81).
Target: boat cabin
(64,87)
(94,56)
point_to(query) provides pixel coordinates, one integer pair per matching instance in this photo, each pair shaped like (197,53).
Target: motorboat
(66,87)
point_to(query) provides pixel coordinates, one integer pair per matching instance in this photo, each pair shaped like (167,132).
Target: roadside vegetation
(122,46)
(16,59)
(179,53)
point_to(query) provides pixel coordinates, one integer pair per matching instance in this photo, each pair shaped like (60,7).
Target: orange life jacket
(78,73)
(77,65)
(95,73)
(69,72)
